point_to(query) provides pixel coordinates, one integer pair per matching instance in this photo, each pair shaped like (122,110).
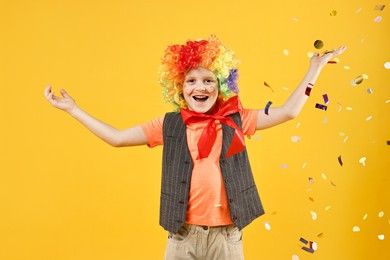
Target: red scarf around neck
(209,133)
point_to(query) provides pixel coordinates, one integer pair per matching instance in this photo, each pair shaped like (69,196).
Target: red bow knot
(209,133)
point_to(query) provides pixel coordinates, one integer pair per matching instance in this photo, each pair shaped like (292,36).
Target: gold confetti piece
(387,65)
(295,139)
(368,118)
(304,164)
(370,91)
(381,214)
(355,229)
(267,85)
(274,212)
(299,123)
(284,88)
(387,101)
(333,13)
(381,237)
(323,176)
(359,79)
(341,134)
(320,235)
(318,44)
(311,199)
(333,184)
(328,208)
(285,52)
(358,10)
(363,161)
(365,216)
(379,7)
(340,161)
(267,225)
(345,139)
(378,19)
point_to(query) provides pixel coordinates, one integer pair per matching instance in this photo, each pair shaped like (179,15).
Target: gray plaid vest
(243,198)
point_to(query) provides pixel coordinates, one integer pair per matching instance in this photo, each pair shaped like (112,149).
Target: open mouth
(200,98)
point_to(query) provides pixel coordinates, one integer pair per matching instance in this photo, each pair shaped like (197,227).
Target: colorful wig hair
(210,54)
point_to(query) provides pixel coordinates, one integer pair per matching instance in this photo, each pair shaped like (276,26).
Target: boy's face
(200,90)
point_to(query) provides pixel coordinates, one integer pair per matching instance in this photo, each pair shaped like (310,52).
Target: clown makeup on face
(200,90)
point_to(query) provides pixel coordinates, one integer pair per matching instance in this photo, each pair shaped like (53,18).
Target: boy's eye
(190,80)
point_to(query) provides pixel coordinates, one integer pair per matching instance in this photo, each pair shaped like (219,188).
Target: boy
(208,194)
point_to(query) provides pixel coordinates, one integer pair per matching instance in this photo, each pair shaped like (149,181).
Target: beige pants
(193,242)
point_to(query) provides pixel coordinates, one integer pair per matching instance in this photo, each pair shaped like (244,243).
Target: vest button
(226,180)
(234,218)
(181,202)
(231,200)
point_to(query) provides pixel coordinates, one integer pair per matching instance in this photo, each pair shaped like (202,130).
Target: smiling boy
(208,193)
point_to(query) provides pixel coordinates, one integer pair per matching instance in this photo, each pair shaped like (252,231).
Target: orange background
(67,195)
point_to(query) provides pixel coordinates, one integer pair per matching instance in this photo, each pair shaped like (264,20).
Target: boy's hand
(65,102)
(320,60)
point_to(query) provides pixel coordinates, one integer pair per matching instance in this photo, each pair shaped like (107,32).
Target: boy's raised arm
(294,104)
(117,138)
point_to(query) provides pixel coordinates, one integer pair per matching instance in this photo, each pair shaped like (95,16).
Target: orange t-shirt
(207,201)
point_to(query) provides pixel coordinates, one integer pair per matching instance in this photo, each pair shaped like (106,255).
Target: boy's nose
(200,87)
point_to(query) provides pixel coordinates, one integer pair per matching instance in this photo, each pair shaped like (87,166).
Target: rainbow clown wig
(210,54)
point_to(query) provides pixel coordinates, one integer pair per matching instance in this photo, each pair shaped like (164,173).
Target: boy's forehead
(200,71)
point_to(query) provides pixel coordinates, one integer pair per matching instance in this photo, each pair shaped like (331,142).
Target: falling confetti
(326,99)
(328,208)
(311,180)
(310,54)
(267,107)
(267,85)
(358,80)
(323,176)
(358,10)
(363,161)
(381,214)
(365,216)
(356,229)
(285,52)
(284,166)
(318,44)
(340,161)
(295,257)
(388,142)
(349,108)
(313,215)
(378,19)
(333,184)
(369,91)
(295,19)
(368,118)
(387,65)
(322,107)
(320,235)
(295,138)
(333,13)
(325,120)
(347,67)
(304,164)
(267,225)
(381,237)
(311,199)
(298,124)
(217,205)
(379,7)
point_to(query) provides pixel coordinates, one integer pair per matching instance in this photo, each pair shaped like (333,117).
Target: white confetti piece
(295,139)
(328,208)
(358,10)
(368,118)
(325,120)
(217,205)
(267,225)
(313,215)
(363,161)
(295,257)
(304,164)
(349,108)
(365,76)
(295,19)
(387,101)
(381,237)
(370,91)
(299,123)
(342,134)
(285,88)
(347,67)
(345,139)
(381,214)
(365,216)
(285,52)
(324,176)
(378,19)
(356,229)
(387,65)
